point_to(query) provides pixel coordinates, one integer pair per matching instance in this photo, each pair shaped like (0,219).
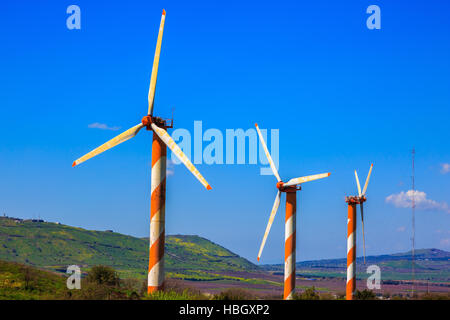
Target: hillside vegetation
(18,282)
(23,282)
(54,247)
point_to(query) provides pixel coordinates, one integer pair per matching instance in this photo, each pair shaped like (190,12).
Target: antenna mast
(413,207)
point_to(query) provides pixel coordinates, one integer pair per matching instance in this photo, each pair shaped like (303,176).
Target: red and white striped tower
(290,188)
(290,243)
(351,247)
(352,202)
(157,215)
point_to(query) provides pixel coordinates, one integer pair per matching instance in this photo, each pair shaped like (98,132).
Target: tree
(29,277)
(103,275)
(365,295)
(234,294)
(308,294)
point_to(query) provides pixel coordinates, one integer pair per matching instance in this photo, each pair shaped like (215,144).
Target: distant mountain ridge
(430,264)
(420,254)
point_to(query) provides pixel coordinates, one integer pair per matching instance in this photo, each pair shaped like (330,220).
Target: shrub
(327,296)
(101,283)
(132,288)
(308,294)
(234,294)
(103,275)
(341,295)
(365,295)
(435,296)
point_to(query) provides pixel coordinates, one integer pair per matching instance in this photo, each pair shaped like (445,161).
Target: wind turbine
(290,188)
(352,201)
(161,139)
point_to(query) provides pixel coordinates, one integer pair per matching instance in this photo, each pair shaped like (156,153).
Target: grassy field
(18,281)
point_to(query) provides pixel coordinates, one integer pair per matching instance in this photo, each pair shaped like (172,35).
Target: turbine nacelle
(281,186)
(355,199)
(160,122)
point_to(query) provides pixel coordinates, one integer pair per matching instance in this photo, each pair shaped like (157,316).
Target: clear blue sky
(342,96)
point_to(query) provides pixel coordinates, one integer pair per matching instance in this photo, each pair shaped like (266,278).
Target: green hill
(55,246)
(18,281)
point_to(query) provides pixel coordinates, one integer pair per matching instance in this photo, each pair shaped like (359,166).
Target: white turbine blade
(154,76)
(367,180)
(300,180)
(357,183)
(180,155)
(364,238)
(269,224)
(124,136)
(266,151)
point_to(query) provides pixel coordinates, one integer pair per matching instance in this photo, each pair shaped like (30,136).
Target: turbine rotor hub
(355,199)
(280,185)
(160,122)
(287,189)
(147,122)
